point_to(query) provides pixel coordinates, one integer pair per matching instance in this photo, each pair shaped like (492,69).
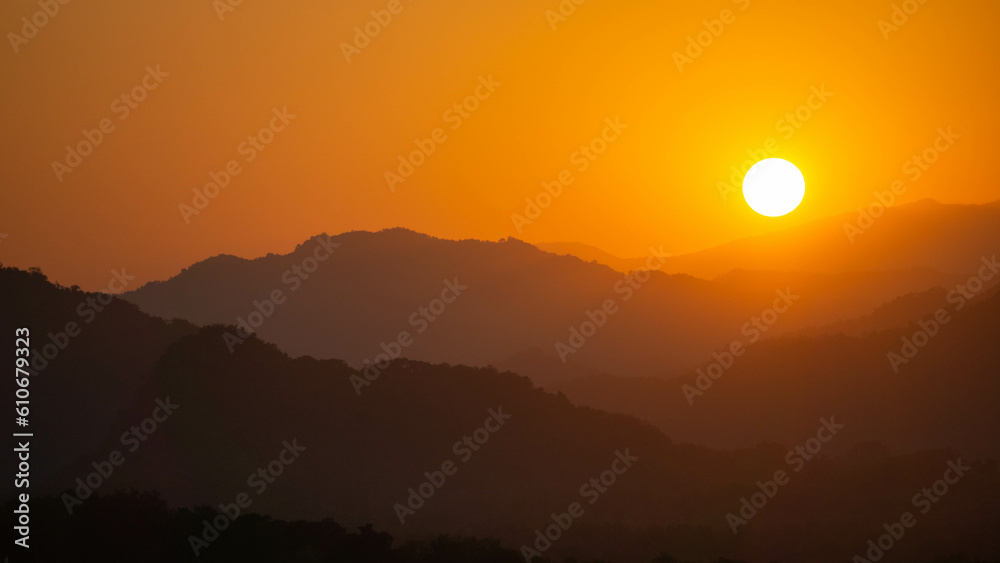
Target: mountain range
(418,384)
(372,287)
(330,453)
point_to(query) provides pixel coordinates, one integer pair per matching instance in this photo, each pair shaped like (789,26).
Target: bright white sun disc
(774,187)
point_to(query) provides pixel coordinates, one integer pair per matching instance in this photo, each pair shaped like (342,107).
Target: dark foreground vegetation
(141,527)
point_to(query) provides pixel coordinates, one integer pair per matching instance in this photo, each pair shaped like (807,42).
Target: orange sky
(325,170)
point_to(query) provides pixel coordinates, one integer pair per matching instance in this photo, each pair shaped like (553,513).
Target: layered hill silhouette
(926,234)
(355,457)
(364,438)
(589,253)
(513,297)
(946,394)
(897,313)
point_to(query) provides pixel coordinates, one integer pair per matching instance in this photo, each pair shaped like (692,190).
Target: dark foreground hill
(158,534)
(89,355)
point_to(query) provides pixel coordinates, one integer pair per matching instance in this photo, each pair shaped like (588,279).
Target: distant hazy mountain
(897,313)
(375,286)
(589,253)
(544,367)
(328,453)
(947,394)
(925,234)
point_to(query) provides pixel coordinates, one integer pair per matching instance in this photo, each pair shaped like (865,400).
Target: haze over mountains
(589,253)
(925,234)
(950,238)
(520,309)
(515,297)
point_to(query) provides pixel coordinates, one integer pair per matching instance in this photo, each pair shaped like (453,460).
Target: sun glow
(774,187)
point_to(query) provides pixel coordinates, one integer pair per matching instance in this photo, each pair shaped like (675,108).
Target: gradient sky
(655,185)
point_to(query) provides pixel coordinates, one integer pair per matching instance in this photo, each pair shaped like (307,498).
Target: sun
(774,187)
